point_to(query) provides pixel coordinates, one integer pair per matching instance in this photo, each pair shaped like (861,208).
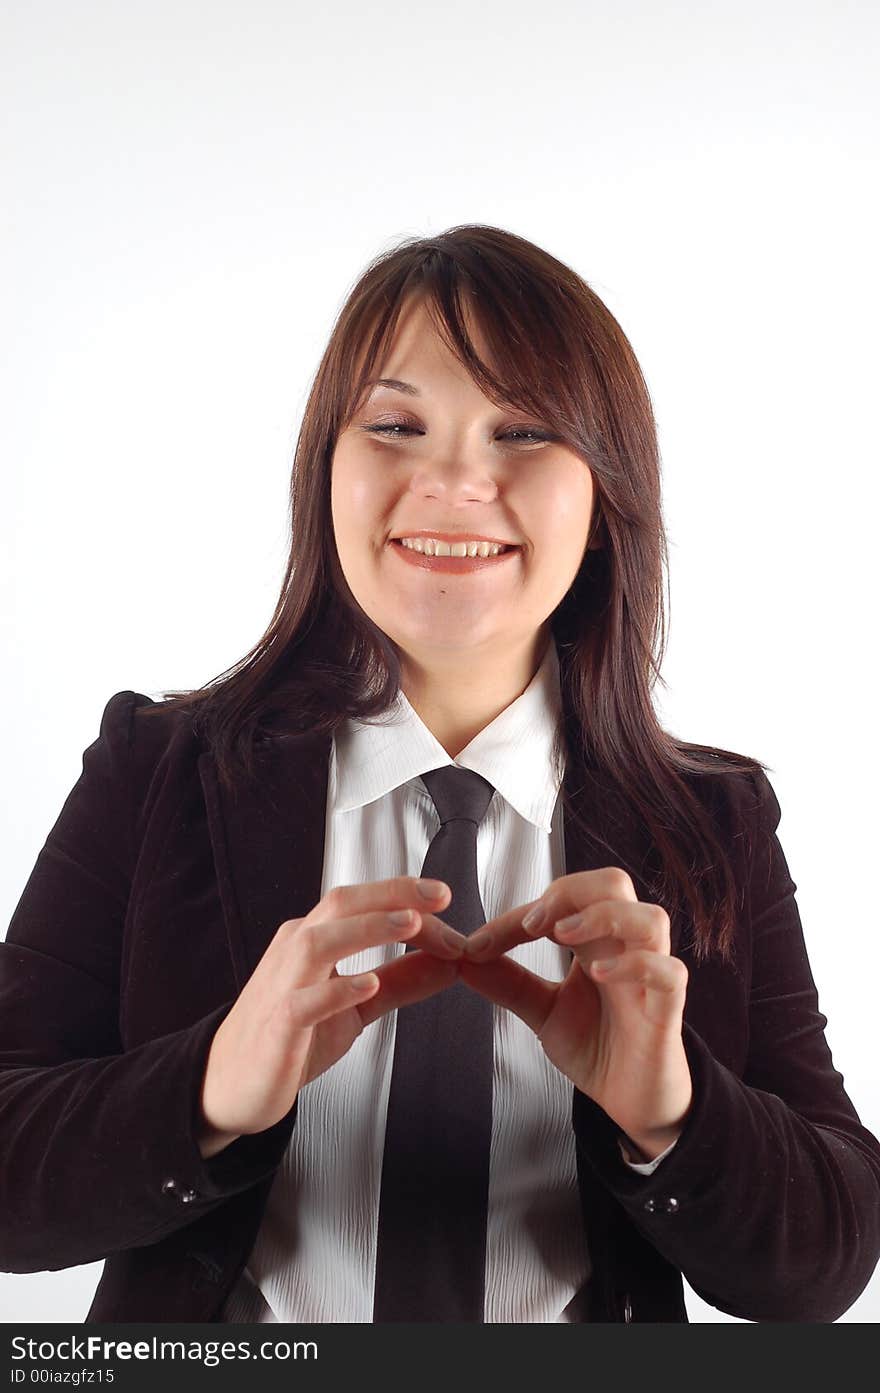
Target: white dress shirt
(314,1257)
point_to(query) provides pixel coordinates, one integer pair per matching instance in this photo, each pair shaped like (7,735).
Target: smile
(451,565)
(437,546)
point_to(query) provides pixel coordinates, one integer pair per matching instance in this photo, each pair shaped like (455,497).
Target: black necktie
(431,1253)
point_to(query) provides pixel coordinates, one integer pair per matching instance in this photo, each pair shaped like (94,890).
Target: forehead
(420,332)
(418,349)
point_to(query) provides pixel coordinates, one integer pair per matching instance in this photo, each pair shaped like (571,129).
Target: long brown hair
(558,352)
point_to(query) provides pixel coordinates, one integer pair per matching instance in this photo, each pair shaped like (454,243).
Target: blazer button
(664,1204)
(171,1187)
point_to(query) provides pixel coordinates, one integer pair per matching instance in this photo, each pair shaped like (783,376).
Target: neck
(457,698)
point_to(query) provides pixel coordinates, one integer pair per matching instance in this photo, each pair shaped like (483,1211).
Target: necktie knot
(458,793)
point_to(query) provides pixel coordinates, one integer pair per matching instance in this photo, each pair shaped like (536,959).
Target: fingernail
(430,889)
(478,942)
(566,926)
(362,981)
(453,938)
(605,964)
(535,917)
(401,916)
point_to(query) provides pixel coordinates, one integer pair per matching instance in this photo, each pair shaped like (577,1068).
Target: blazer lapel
(268,842)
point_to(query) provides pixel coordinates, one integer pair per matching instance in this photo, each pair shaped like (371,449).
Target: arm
(769,1203)
(91,1134)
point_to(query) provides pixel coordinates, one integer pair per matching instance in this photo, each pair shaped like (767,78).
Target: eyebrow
(395,384)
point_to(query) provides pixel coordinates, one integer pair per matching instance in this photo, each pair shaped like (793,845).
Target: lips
(451,565)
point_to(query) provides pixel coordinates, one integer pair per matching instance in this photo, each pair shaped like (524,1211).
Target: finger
(498,935)
(509,984)
(664,978)
(400,892)
(565,896)
(410,978)
(316,947)
(638,925)
(438,938)
(310,1005)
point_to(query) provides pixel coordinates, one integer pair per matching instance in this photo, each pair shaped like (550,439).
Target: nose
(455,477)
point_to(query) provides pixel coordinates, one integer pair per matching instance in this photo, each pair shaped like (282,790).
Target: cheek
(352,478)
(561,511)
(359,490)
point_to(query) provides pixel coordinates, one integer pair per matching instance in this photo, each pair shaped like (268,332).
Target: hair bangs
(522,323)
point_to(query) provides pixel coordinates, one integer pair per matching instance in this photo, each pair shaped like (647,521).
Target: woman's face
(448,462)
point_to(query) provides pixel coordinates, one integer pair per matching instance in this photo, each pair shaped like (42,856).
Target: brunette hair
(559,353)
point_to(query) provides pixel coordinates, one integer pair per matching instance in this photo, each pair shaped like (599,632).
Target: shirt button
(169,1187)
(187,1196)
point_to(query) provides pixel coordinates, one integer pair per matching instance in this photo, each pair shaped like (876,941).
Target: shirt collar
(514,752)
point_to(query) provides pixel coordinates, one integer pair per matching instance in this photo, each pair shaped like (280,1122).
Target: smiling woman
(597,1063)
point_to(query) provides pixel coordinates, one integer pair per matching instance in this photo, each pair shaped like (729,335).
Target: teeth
(429,546)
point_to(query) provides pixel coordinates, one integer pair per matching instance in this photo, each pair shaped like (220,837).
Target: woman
(554,1115)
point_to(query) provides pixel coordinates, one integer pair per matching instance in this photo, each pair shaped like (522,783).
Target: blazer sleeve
(99,1148)
(770,1202)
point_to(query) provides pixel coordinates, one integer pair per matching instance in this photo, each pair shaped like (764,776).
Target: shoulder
(130,719)
(739,803)
(143,764)
(138,733)
(742,794)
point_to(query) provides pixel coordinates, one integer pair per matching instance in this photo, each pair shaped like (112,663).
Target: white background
(190,190)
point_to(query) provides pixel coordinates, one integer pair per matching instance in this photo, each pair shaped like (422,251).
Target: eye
(398,430)
(393,429)
(533,431)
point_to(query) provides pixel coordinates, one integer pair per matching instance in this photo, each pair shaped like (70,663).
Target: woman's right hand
(296,1015)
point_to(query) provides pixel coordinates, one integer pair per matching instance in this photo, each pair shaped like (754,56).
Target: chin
(438,642)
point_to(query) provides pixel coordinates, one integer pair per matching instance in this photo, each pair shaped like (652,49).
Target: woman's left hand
(615,1031)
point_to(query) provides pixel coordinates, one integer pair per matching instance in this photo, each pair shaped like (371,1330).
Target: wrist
(211,1141)
(671,1105)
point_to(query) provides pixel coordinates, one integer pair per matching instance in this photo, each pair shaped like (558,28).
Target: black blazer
(151,903)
